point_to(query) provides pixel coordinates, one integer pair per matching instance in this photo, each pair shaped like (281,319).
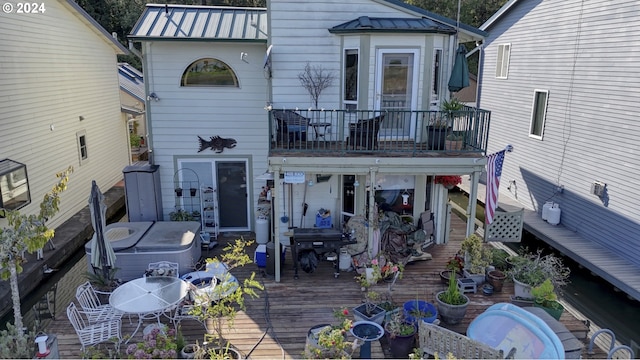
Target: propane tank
(553,217)
(545,209)
(344,261)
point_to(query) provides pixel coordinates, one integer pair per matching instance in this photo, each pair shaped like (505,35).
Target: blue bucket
(424,307)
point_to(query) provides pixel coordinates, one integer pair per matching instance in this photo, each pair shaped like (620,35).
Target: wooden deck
(276,324)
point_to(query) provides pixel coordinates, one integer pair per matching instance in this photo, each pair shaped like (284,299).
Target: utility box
(142,192)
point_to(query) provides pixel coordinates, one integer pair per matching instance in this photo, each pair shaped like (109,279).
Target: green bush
(135,140)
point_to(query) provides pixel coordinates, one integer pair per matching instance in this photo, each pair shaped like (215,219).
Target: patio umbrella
(460,75)
(102,255)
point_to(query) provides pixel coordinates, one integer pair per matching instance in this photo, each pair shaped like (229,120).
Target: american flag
(494,170)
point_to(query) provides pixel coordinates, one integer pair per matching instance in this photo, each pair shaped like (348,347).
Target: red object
(448,180)
(39,355)
(494,171)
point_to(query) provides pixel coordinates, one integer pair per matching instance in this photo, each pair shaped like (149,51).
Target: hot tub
(137,244)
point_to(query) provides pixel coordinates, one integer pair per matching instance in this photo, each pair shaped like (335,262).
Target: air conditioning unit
(597,188)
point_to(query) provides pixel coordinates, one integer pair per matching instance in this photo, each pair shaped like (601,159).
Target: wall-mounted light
(153,97)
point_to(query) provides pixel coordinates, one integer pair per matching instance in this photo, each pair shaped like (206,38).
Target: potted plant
(529,270)
(452,305)
(180,215)
(401,335)
(159,343)
(193,192)
(454,141)
(221,304)
(328,341)
(546,298)
(178,191)
(448,181)
(476,258)
(453,267)
(419,310)
(370,310)
(14,344)
(496,278)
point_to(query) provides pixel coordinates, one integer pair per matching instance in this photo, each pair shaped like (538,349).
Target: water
(592,296)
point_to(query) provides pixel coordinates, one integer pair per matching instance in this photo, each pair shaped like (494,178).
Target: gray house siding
(585,54)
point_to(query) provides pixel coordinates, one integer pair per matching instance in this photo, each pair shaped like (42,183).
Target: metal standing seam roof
(131,81)
(404,25)
(213,23)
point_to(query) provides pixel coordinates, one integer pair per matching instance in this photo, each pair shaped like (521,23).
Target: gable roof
(79,12)
(131,81)
(208,23)
(389,25)
(498,14)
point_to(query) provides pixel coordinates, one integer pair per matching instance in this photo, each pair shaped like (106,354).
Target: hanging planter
(448,181)
(178,192)
(193,191)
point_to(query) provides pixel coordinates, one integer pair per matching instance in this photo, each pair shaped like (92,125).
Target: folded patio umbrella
(460,74)
(102,254)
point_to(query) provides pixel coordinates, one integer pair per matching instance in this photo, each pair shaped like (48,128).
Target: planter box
(521,289)
(477,278)
(377,314)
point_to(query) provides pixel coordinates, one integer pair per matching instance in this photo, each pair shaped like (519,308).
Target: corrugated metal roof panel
(201,22)
(131,80)
(369,24)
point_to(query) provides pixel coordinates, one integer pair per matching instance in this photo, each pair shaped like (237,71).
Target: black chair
(291,126)
(364,133)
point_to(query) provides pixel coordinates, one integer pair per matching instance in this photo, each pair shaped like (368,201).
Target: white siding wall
(299,34)
(590,68)
(53,70)
(183,113)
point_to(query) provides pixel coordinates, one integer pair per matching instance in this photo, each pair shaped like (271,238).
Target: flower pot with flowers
(159,343)
(454,267)
(222,303)
(448,181)
(327,341)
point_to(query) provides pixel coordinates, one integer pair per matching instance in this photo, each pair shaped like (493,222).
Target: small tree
(315,79)
(27,233)
(227,297)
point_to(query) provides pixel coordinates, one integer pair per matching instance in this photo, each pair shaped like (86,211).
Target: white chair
(162,268)
(182,310)
(96,311)
(92,334)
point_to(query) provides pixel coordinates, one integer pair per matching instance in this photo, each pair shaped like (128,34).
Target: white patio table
(148,297)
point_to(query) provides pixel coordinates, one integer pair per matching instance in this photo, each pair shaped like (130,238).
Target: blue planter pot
(424,307)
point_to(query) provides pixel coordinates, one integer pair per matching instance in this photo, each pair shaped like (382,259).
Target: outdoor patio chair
(94,333)
(364,133)
(292,127)
(436,339)
(163,268)
(96,310)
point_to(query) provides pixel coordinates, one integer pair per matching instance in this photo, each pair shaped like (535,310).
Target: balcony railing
(391,132)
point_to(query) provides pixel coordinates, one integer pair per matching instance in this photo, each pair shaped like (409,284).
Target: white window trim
(80,134)
(502,67)
(351,102)
(533,114)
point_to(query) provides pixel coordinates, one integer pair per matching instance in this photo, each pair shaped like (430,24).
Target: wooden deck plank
(276,324)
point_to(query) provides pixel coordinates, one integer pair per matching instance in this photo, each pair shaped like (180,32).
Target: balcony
(386,133)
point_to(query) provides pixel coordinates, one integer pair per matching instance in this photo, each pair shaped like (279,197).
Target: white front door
(396,91)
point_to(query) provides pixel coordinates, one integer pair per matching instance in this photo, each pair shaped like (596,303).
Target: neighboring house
(60,106)
(229,72)
(468,94)
(562,98)
(132,107)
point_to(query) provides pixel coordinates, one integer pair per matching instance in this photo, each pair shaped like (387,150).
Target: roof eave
(498,14)
(162,38)
(93,24)
(388,31)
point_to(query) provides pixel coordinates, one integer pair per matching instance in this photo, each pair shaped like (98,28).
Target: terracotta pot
(496,279)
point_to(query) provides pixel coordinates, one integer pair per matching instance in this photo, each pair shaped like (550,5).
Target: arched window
(209,72)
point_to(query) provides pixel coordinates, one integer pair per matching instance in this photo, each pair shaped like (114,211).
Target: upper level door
(397,91)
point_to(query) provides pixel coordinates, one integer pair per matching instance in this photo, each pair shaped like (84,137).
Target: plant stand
(466,285)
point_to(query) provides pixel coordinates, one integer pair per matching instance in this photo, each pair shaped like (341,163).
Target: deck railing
(372,131)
